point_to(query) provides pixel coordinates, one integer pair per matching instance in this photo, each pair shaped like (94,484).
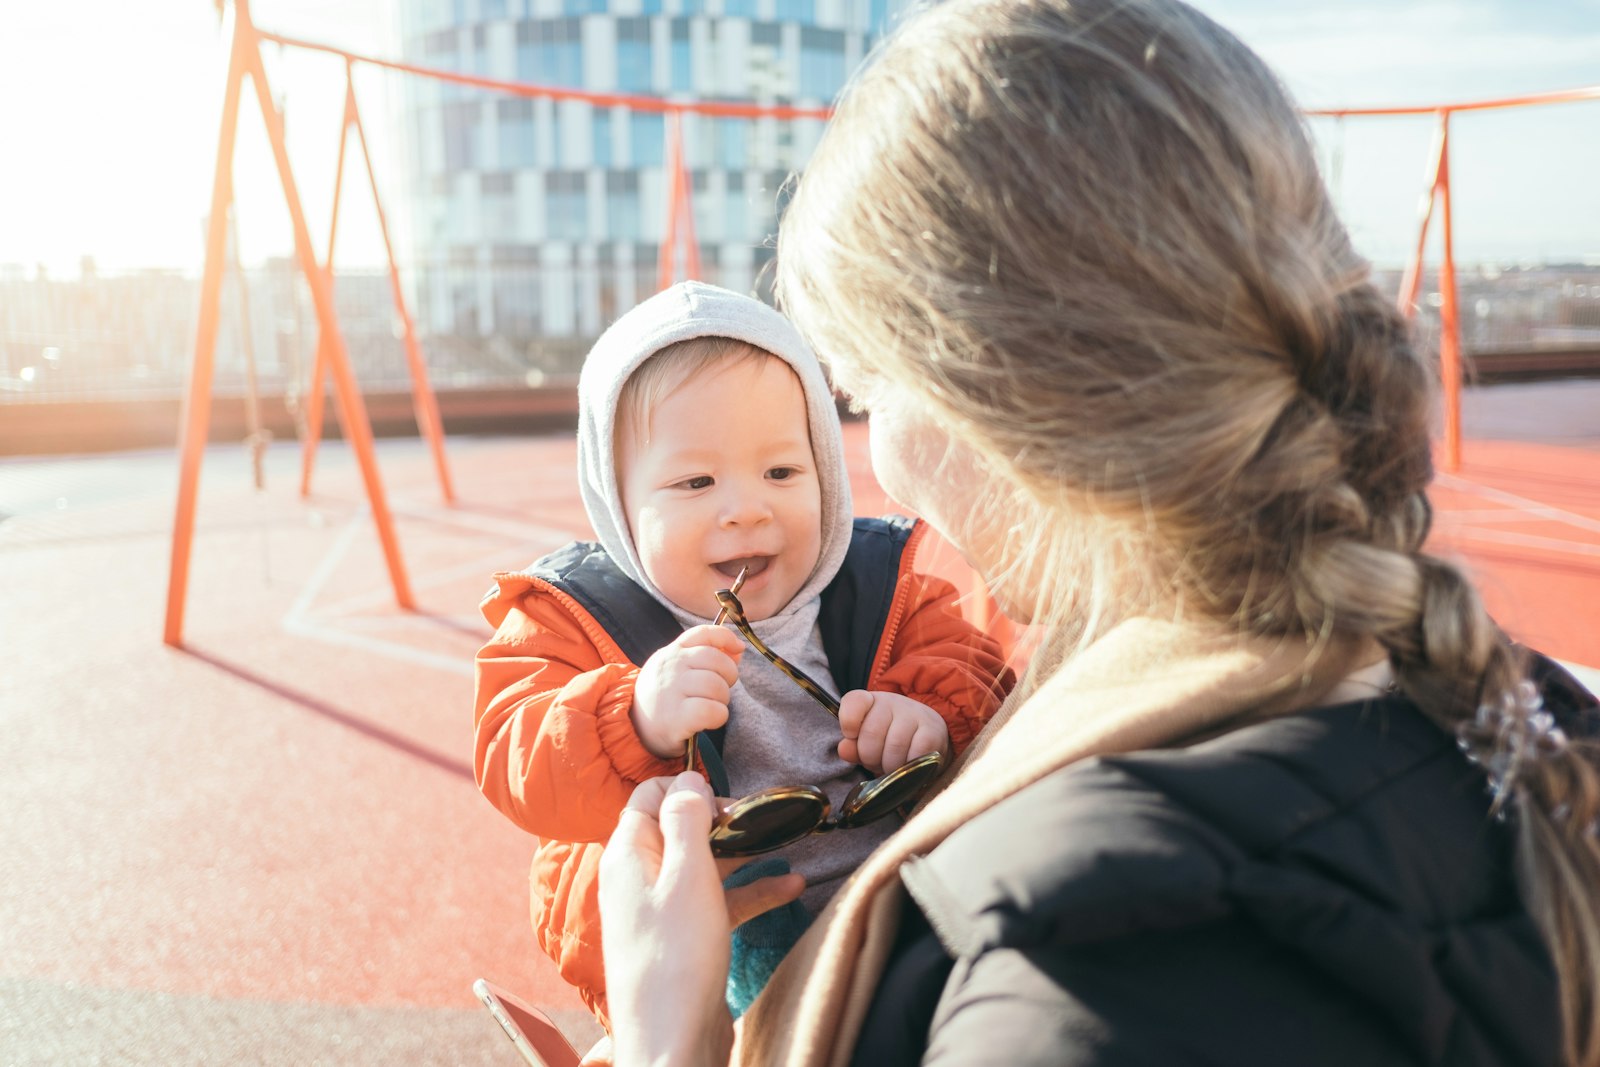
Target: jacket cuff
(618,739)
(963,701)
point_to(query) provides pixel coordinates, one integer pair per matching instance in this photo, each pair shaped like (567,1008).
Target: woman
(1075,258)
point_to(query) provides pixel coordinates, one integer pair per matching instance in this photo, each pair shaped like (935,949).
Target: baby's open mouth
(731,568)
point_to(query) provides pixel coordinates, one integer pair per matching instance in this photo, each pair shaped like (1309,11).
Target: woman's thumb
(686,814)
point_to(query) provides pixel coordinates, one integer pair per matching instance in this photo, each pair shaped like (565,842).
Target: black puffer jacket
(1323,889)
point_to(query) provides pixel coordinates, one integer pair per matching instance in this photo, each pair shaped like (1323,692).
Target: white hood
(685,311)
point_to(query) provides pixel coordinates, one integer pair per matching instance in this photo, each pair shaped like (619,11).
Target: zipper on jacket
(897,606)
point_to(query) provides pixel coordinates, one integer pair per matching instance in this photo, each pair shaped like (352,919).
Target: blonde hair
(670,368)
(1089,237)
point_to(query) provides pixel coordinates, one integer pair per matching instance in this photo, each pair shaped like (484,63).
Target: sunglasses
(773,818)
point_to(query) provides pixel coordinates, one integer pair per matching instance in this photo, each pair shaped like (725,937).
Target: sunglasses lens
(873,800)
(768,820)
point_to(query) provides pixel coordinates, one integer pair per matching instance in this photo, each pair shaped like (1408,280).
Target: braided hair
(1091,237)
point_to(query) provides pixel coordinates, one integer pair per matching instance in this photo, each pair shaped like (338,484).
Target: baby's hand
(683,689)
(883,731)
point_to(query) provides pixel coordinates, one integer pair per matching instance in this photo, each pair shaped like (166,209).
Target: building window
(682,65)
(460,134)
(735,211)
(463,285)
(439,47)
(558,153)
(622,206)
(516,133)
(761,266)
(704,210)
(550,52)
(492,9)
(633,55)
(733,143)
(480,52)
(781,184)
(647,131)
(739,9)
(433,13)
(499,203)
(821,63)
(566,205)
(804,11)
(646,262)
(583,7)
(601,127)
(516,290)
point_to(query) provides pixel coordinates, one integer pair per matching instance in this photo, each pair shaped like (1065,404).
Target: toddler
(709,444)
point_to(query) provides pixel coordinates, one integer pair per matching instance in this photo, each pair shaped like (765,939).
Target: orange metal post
(691,246)
(1411,282)
(353,411)
(1449,312)
(197,402)
(423,400)
(319,367)
(680,211)
(667,261)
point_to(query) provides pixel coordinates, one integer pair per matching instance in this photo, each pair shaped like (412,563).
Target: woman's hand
(667,923)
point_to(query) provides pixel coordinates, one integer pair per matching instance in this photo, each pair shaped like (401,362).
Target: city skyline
(118,140)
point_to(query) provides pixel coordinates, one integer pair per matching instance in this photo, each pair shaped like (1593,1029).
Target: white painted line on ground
(298,621)
(1583,522)
(325,569)
(484,566)
(1447,519)
(380,623)
(528,532)
(1507,537)
(388,649)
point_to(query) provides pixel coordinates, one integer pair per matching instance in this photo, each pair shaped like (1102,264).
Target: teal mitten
(760,944)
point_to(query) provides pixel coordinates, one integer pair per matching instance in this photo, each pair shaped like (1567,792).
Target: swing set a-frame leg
(425,404)
(197,402)
(245,59)
(319,366)
(1449,310)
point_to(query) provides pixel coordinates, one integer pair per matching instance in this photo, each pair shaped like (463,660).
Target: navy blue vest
(854,611)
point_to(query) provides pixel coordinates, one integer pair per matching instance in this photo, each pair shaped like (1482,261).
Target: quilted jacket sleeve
(554,747)
(940,659)
(566,918)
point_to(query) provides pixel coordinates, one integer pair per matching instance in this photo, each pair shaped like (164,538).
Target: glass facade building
(544,218)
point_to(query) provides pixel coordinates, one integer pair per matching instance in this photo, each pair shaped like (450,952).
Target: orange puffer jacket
(557,753)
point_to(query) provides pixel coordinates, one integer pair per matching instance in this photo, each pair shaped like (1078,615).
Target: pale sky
(109,110)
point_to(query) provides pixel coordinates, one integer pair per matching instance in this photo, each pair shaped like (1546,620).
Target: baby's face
(723,478)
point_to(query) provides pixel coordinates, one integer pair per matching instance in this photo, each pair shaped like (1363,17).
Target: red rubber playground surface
(268,848)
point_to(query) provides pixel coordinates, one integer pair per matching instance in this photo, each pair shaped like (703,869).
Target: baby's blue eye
(702,481)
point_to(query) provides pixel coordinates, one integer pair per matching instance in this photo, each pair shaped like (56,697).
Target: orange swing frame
(333,358)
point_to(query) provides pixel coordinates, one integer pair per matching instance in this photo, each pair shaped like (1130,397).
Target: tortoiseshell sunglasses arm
(735,614)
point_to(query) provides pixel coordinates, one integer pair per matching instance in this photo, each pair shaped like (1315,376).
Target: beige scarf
(1147,684)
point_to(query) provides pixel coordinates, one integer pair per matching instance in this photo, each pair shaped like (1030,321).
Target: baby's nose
(743,509)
